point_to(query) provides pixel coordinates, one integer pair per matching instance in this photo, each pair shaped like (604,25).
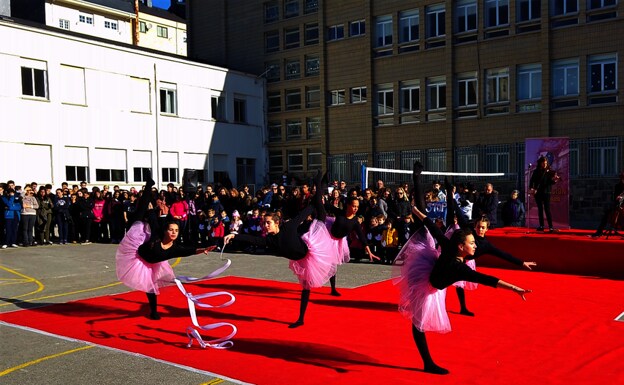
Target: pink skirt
(420,302)
(342,245)
(320,264)
(132,270)
(468,285)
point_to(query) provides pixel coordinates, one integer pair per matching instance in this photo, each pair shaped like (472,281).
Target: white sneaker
(4,246)
(14,245)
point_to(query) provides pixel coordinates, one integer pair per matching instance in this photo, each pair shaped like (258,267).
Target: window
(601,10)
(436,93)
(597,4)
(85,18)
(564,7)
(466,16)
(602,73)
(162,32)
(271,41)
(565,77)
(497,159)
(273,72)
(337,97)
(313,97)
(35,79)
(312,65)
(311,34)
(335,32)
(313,128)
(496,13)
(72,90)
(385,99)
(357,28)
(310,6)
(293,99)
(169,175)
(529,10)
(293,69)
(111,24)
(276,162)
(275,131)
(274,99)
(271,12)
(435,25)
(409,22)
(467,162)
(358,95)
(291,8)
(315,158)
(217,108)
(142,27)
(76,173)
(291,38)
(240,110)
(168,102)
(109,175)
(410,96)
(529,82)
(295,160)
(467,90)
(141,173)
(64,24)
(293,129)
(497,86)
(383,31)
(436,159)
(602,154)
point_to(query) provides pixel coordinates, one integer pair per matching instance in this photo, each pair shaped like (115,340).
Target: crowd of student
(41,215)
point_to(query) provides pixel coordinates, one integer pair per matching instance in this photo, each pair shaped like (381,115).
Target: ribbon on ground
(196,300)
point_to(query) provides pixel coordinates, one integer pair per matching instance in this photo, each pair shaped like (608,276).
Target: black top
(279,244)
(449,269)
(542,180)
(153,252)
(342,227)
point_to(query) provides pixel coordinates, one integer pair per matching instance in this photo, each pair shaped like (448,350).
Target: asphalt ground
(45,275)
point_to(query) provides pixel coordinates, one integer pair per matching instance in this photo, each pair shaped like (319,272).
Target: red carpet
(564,334)
(566,252)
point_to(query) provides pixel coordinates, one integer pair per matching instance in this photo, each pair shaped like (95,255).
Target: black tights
(423,349)
(461,295)
(153,304)
(305,298)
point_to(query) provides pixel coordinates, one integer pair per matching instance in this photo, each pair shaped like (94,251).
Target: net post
(364,176)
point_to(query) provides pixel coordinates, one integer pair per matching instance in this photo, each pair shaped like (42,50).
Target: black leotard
(153,252)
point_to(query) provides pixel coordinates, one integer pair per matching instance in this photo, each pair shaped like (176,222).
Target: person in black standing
(540,185)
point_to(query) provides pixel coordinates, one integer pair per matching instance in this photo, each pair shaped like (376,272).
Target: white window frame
(385,100)
(276,161)
(295,160)
(313,127)
(409,24)
(169,174)
(599,63)
(275,130)
(531,76)
(435,26)
(534,12)
(383,31)
(313,96)
(337,97)
(310,29)
(169,105)
(315,158)
(568,71)
(217,108)
(35,72)
(466,9)
(436,93)
(497,86)
(64,24)
(358,95)
(85,18)
(111,24)
(162,32)
(240,109)
(501,13)
(465,82)
(289,37)
(293,129)
(272,37)
(335,32)
(292,69)
(359,26)
(560,8)
(410,96)
(291,94)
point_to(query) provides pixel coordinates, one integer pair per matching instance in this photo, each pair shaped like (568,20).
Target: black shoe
(553,230)
(295,325)
(154,316)
(540,229)
(335,293)
(435,369)
(466,312)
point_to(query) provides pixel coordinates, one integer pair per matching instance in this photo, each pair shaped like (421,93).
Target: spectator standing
(29,216)
(62,216)
(12,213)
(44,216)
(513,211)
(487,204)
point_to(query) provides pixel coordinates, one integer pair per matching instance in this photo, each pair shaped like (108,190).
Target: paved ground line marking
(33,362)
(39,284)
(213,382)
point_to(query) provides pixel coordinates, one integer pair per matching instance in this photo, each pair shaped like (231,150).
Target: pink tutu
(132,270)
(342,245)
(468,285)
(420,302)
(320,264)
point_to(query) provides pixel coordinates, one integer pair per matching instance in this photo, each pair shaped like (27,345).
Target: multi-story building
(76,109)
(123,21)
(459,85)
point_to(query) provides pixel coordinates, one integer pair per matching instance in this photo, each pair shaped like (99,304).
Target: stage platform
(570,251)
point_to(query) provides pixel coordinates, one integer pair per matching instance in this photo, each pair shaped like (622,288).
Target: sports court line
(90,344)
(38,360)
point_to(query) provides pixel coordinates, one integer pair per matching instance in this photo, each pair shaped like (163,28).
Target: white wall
(104,99)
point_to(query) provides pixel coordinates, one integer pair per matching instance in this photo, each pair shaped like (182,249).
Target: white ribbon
(193,300)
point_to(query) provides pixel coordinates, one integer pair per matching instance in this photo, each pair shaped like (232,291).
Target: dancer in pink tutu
(314,255)
(426,272)
(143,253)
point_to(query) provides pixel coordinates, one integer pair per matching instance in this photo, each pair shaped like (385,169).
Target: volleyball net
(397,177)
